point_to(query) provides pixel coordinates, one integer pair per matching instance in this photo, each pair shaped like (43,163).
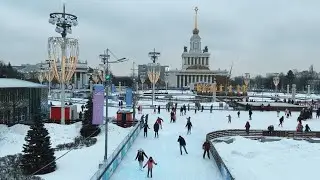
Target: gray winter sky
(259,36)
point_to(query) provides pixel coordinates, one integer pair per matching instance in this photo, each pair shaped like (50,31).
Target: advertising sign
(98,104)
(129,97)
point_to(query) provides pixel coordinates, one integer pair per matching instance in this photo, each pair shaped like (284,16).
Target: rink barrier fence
(253,134)
(108,167)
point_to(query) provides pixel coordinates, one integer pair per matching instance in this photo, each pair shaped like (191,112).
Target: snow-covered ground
(81,164)
(78,164)
(285,159)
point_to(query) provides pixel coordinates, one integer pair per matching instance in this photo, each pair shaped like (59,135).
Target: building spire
(195,30)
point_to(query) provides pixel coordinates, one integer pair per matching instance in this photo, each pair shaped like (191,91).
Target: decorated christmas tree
(38,156)
(88,129)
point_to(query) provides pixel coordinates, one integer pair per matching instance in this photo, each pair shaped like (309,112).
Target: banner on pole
(98,104)
(113,88)
(129,97)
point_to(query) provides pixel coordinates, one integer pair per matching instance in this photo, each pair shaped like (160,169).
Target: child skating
(150,163)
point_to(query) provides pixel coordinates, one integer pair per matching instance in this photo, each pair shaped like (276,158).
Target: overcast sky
(259,36)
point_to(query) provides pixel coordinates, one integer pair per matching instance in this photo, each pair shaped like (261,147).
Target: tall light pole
(154,74)
(276,81)
(166,76)
(106,79)
(214,90)
(63,22)
(40,74)
(135,89)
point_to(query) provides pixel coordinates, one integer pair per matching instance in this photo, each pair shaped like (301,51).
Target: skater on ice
(206,149)
(182,144)
(229,118)
(150,163)
(140,156)
(156,129)
(281,121)
(159,121)
(189,125)
(145,129)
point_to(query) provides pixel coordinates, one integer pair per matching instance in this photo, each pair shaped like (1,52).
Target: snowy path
(165,151)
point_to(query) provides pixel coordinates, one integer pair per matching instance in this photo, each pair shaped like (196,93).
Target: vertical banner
(129,97)
(113,88)
(98,104)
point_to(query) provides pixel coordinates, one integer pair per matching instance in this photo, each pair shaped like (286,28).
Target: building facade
(195,64)
(79,80)
(21,100)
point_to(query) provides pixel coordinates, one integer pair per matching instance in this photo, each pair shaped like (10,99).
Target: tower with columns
(195,63)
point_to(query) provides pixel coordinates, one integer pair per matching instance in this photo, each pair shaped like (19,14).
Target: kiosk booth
(125,118)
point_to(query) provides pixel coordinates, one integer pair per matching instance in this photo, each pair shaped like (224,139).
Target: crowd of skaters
(172,109)
(158,126)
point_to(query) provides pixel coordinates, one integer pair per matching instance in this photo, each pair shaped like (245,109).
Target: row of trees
(301,79)
(7,71)
(38,155)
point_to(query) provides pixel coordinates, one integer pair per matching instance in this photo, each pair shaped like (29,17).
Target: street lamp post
(154,73)
(142,79)
(64,21)
(106,78)
(40,74)
(246,81)
(276,81)
(214,90)
(166,76)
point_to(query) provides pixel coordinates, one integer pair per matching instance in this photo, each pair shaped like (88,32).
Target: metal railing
(106,164)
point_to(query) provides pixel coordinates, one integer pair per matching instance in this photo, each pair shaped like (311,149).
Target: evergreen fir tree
(37,152)
(88,129)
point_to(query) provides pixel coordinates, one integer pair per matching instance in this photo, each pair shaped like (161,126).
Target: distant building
(20,100)
(195,65)
(80,79)
(143,70)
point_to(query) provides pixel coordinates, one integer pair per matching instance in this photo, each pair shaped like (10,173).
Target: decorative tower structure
(195,58)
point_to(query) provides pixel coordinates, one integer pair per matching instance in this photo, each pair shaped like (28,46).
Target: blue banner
(129,97)
(98,104)
(113,88)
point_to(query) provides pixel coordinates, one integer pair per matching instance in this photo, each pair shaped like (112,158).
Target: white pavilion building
(195,64)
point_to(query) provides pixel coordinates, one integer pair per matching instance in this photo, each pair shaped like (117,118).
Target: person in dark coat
(206,149)
(281,121)
(188,107)
(247,126)
(185,109)
(250,114)
(238,114)
(202,108)
(307,128)
(172,117)
(145,130)
(140,156)
(182,144)
(211,108)
(195,110)
(156,129)
(159,109)
(189,126)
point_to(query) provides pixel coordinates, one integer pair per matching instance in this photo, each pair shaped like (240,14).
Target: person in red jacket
(150,163)
(206,149)
(159,121)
